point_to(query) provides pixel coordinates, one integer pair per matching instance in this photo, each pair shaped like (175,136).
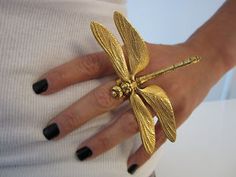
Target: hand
(185,87)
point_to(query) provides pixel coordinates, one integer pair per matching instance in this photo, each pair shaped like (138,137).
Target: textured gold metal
(129,86)
(160,103)
(145,122)
(186,62)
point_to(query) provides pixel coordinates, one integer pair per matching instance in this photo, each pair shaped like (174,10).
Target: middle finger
(99,99)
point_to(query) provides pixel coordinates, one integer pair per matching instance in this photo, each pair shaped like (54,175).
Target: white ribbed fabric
(35,36)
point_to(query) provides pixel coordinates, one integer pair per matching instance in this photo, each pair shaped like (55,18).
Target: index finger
(83,68)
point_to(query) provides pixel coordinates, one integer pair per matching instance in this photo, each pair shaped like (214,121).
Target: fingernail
(132,168)
(51,131)
(83,153)
(40,86)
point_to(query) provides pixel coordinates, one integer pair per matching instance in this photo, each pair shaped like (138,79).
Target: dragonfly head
(121,89)
(126,88)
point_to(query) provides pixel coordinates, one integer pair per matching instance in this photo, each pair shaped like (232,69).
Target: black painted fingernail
(40,86)
(51,131)
(132,168)
(83,153)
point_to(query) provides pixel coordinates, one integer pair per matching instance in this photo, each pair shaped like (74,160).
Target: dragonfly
(130,86)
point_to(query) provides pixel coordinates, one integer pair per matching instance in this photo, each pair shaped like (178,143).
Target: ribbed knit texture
(35,36)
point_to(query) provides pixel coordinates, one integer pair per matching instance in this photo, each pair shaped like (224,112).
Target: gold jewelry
(128,85)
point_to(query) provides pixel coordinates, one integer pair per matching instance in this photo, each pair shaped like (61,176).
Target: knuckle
(182,104)
(160,138)
(103,98)
(183,107)
(70,121)
(91,65)
(105,143)
(146,156)
(129,123)
(142,155)
(56,76)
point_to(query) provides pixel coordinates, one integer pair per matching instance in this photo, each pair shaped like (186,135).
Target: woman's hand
(185,87)
(215,42)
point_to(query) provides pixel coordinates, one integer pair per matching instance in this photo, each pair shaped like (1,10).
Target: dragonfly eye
(116,92)
(126,88)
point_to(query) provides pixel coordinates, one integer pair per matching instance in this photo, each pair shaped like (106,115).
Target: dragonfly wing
(145,122)
(113,48)
(135,46)
(160,103)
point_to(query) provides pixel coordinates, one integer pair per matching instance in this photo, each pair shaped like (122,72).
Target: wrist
(217,37)
(215,58)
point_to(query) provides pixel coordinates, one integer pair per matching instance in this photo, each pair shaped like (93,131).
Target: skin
(215,41)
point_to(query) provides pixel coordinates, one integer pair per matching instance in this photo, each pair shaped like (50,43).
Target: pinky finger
(141,156)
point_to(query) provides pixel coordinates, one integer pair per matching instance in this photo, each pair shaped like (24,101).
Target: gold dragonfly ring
(128,85)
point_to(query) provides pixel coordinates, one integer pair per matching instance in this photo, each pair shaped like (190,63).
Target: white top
(35,36)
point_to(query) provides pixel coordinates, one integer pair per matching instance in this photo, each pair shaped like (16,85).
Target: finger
(96,102)
(121,129)
(141,156)
(79,69)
